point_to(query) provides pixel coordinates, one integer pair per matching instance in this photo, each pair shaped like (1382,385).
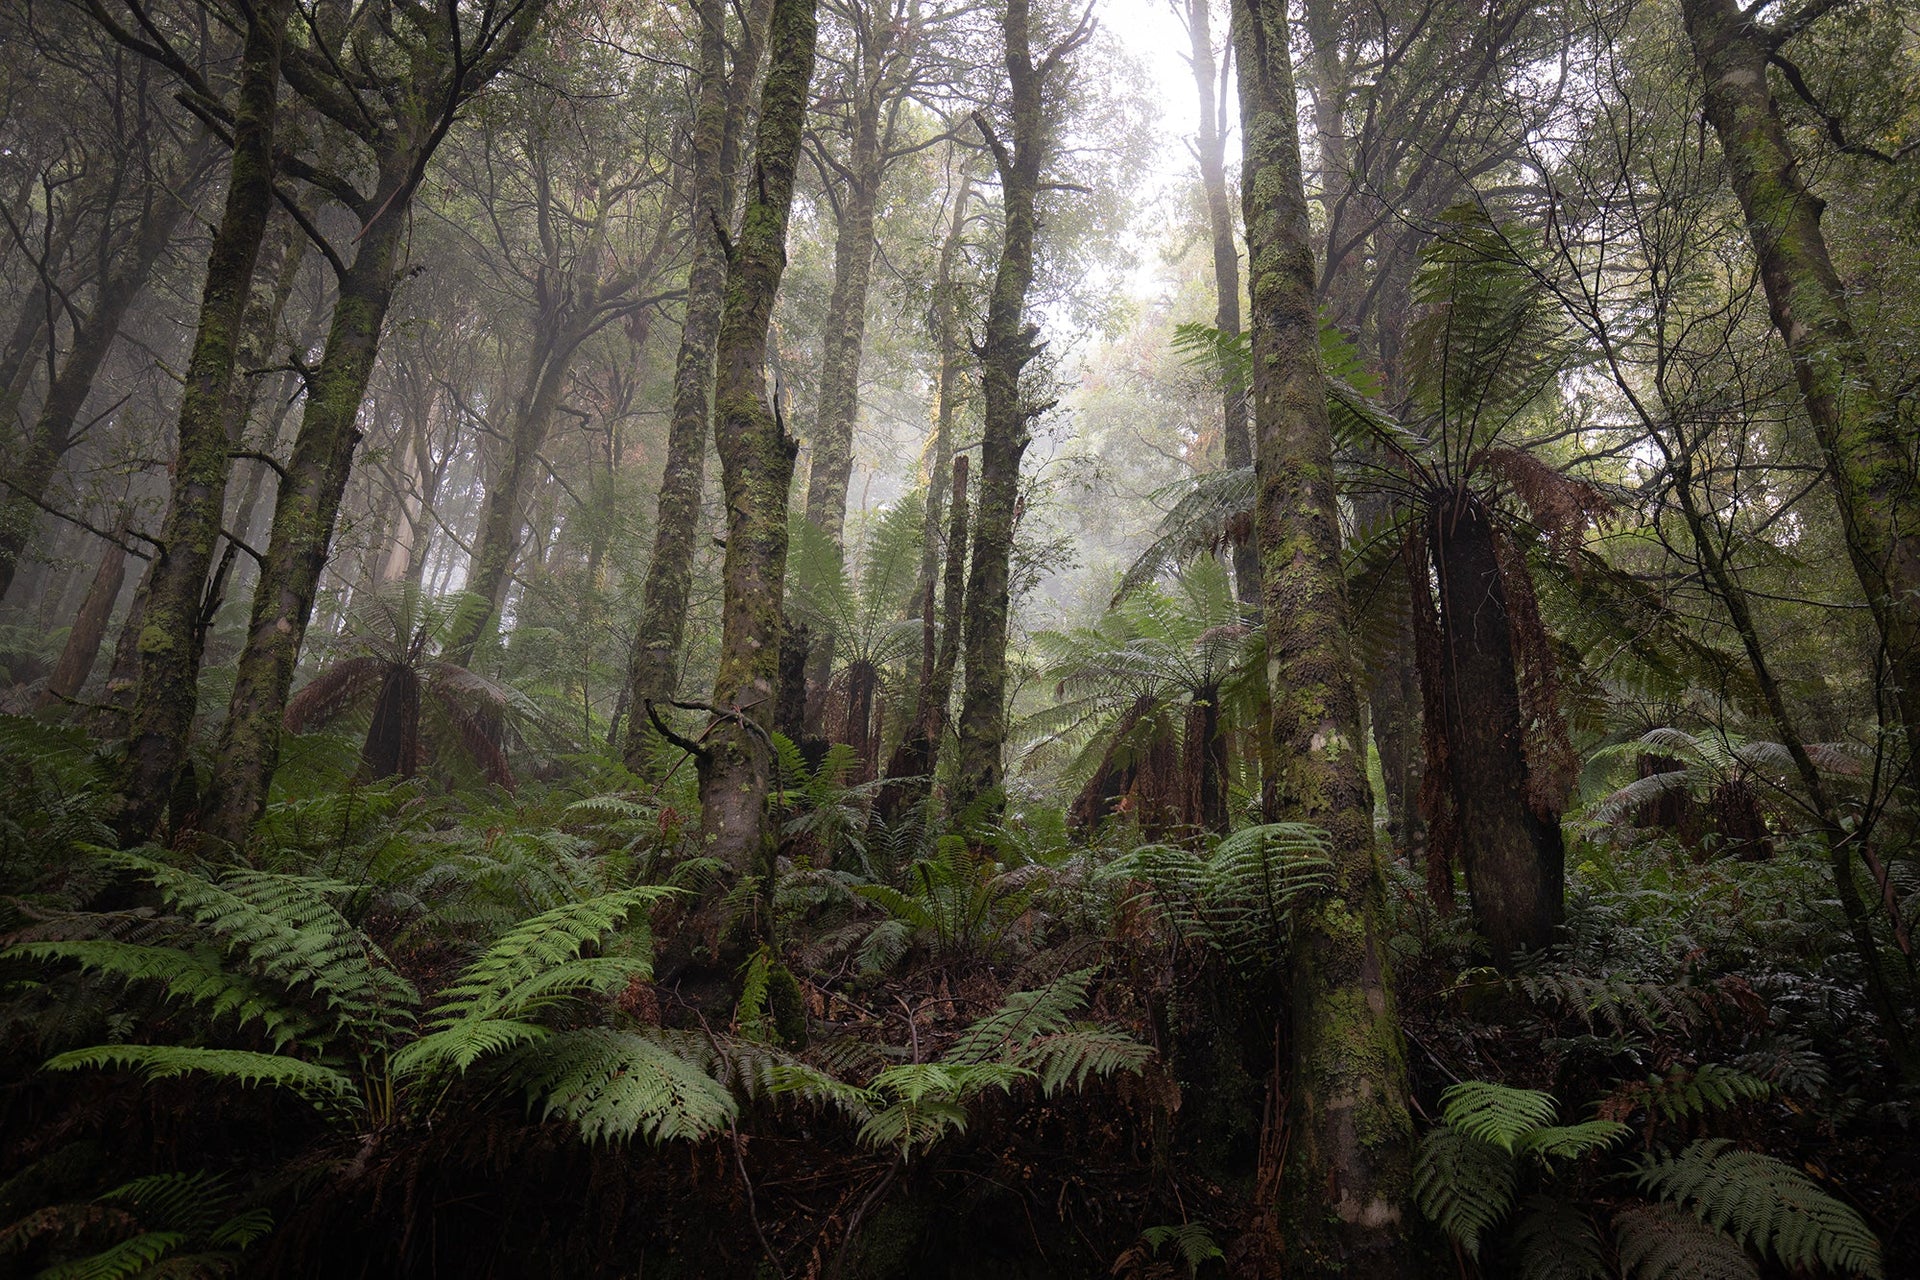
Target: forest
(862,639)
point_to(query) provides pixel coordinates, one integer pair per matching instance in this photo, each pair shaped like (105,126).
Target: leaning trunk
(169,643)
(1868,453)
(303,520)
(756,462)
(1348,1121)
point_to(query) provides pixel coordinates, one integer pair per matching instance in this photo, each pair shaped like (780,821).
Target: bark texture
(718,122)
(1868,456)
(1236,437)
(169,641)
(756,462)
(82,647)
(1350,1128)
(1009,345)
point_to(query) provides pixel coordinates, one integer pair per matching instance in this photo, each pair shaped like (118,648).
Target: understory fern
(1765,1204)
(1031,1036)
(1712,1202)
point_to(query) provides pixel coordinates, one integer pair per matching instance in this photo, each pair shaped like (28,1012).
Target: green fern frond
(1191,1240)
(1682,1093)
(616,1084)
(461,1043)
(1765,1203)
(810,1084)
(1555,1240)
(538,958)
(1658,1242)
(1463,1185)
(311,1080)
(1070,1057)
(1573,1140)
(1021,1018)
(1496,1114)
(192,976)
(120,1260)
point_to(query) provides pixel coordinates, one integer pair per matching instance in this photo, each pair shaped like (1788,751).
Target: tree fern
(1190,1240)
(1765,1203)
(1495,1113)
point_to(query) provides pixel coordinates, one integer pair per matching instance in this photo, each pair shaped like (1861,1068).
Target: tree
(1349,1153)
(1022,147)
(166,692)
(723,99)
(449,60)
(756,461)
(1864,442)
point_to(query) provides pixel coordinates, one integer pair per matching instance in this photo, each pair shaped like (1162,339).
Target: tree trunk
(1513,856)
(918,756)
(166,690)
(831,468)
(1349,1125)
(1867,451)
(82,648)
(1010,345)
(1235,437)
(303,520)
(719,120)
(94,334)
(756,466)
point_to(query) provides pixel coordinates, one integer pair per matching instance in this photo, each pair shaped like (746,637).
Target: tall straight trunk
(719,121)
(1349,1125)
(52,433)
(831,468)
(938,455)
(1235,437)
(166,690)
(1512,855)
(303,521)
(756,465)
(1868,453)
(918,756)
(82,648)
(1010,345)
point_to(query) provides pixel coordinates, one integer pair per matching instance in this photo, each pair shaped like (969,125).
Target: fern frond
(1022,1017)
(1658,1242)
(120,1260)
(1463,1185)
(533,960)
(1766,1203)
(1555,1240)
(463,1042)
(1070,1057)
(616,1084)
(311,1080)
(1191,1240)
(192,976)
(1496,1114)
(1572,1140)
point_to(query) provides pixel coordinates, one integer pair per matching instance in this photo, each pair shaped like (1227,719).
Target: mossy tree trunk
(1236,438)
(719,120)
(1868,453)
(1350,1129)
(1009,345)
(303,520)
(756,465)
(915,761)
(169,642)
